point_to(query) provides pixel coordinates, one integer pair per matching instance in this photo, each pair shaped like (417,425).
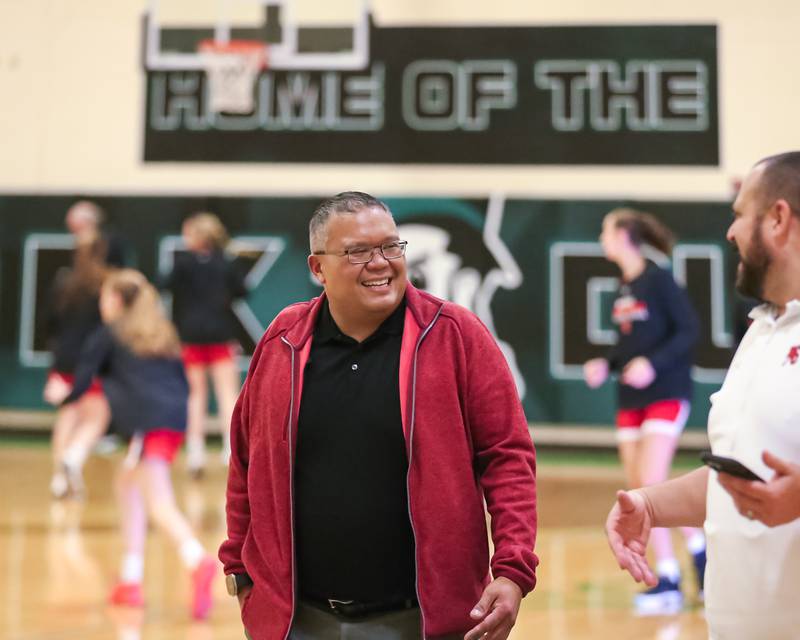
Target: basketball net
(231,70)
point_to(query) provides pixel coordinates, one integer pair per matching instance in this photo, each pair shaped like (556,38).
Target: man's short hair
(340,204)
(781,180)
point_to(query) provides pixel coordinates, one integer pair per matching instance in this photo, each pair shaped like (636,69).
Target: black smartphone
(728,465)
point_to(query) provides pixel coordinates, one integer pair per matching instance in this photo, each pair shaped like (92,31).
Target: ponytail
(644,228)
(143,327)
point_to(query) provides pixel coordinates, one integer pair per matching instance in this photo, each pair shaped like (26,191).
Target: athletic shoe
(202,578)
(127,594)
(107,445)
(197,473)
(663,599)
(195,463)
(699,560)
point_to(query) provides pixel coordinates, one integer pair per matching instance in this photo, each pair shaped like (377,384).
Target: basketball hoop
(231,70)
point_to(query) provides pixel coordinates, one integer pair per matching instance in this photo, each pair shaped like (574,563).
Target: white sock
(192,552)
(195,454)
(669,568)
(74,457)
(58,484)
(696,543)
(132,568)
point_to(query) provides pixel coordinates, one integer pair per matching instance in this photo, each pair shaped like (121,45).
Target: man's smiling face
(373,289)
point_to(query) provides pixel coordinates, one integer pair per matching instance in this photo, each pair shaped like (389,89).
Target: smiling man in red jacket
(374,422)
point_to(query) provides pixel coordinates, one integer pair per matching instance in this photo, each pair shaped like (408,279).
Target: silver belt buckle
(333,603)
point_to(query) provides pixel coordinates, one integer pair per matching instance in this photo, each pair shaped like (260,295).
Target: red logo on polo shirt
(793,356)
(628,310)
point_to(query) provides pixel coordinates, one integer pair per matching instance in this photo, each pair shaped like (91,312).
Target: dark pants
(312,623)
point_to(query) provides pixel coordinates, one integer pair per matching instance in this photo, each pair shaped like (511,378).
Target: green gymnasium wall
(531,269)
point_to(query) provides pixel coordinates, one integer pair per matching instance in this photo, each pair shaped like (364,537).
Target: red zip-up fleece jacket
(466,437)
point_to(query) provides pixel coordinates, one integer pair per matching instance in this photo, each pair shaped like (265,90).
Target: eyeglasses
(362,255)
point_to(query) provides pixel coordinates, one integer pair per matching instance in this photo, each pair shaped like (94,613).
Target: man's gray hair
(340,204)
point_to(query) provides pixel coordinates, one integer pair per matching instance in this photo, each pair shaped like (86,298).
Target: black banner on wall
(573,95)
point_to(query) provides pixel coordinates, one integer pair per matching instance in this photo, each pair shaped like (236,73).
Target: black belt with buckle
(354,609)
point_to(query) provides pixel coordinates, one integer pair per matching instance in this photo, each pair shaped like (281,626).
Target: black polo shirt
(352,526)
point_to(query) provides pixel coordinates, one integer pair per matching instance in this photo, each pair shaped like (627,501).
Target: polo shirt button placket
(354,367)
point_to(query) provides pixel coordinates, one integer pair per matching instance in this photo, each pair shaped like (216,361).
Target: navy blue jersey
(203,288)
(68,327)
(144,393)
(655,319)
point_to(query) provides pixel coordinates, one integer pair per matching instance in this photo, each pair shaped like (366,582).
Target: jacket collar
(302,329)
(422,305)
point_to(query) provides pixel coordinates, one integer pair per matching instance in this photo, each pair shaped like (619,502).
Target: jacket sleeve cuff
(526,582)
(230,554)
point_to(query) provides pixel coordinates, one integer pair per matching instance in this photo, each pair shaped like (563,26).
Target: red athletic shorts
(94,388)
(159,444)
(205,354)
(163,444)
(665,416)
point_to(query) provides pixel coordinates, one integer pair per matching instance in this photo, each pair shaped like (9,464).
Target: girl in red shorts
(73,316)
(204,283)
(138,358)
(657,329)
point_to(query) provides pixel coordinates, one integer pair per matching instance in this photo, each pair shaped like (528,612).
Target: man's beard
(752,271)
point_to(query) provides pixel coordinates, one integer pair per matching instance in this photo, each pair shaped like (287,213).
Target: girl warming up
(204,283)
(74,315)
(137,355)
(657,329)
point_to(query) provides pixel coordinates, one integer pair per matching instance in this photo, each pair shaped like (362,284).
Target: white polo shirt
(753,575)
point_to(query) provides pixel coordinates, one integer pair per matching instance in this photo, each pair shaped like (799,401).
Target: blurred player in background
(204,283)
(657,329)
(137,354)
(86,219)
(74,314)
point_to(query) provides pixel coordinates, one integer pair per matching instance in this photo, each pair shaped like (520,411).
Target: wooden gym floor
(58,558)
